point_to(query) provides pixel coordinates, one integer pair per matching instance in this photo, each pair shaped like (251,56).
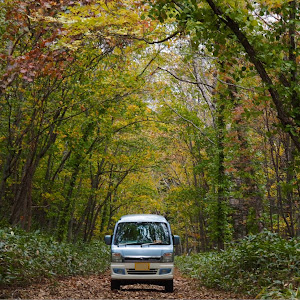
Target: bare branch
(191,122)
(235,85)
(148,64)
(150,42)
(185,80)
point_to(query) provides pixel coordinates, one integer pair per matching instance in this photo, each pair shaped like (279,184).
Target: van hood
(144,251)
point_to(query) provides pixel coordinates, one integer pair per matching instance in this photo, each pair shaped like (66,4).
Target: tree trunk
(220,213)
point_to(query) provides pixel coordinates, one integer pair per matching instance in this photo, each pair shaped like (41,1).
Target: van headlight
(167,257)
(116,257)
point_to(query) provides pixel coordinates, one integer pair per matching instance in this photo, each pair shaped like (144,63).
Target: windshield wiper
(128,244)
(153,243)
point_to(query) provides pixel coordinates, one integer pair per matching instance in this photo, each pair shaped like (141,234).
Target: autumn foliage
(185,109)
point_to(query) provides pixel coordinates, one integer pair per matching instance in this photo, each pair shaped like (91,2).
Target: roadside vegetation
(263,265)
(30,257)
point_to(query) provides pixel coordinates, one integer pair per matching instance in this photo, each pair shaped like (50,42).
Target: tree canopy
(188,109)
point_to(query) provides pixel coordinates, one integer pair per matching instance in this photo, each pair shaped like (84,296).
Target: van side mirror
(176,239)
(108,239)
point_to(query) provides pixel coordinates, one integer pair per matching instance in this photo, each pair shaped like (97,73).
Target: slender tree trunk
(289,150)
(220,213)
(62,227)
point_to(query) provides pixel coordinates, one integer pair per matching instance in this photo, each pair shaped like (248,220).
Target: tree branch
(185,80)
(148,64)
(282,115)
(189,121)
(150,42)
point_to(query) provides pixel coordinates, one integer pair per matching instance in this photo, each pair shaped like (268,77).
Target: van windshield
(139,233)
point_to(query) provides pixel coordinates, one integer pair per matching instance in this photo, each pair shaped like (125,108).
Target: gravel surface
(98,287)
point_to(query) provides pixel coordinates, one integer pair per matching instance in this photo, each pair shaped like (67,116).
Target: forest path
(98,287)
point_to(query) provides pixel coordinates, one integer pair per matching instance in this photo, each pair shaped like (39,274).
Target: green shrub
(27,257)
(280,291)
(259,263)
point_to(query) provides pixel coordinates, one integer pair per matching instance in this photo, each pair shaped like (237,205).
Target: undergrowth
(27,257)
(263,265)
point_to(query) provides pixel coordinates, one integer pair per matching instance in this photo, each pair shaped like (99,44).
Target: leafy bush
(262,263)
(281,291)
(26,257)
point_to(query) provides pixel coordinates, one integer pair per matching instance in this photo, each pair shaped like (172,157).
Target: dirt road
(98,287)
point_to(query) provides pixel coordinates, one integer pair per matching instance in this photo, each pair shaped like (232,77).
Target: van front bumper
(129,272)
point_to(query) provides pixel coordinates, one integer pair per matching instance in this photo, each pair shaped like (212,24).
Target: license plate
(142,266)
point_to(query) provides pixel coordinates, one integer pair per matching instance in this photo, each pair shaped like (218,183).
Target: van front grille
(144,272)
(142,259)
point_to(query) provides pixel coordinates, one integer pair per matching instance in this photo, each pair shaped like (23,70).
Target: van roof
(143,218)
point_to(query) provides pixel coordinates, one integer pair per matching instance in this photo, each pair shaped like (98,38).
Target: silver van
(142,251)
